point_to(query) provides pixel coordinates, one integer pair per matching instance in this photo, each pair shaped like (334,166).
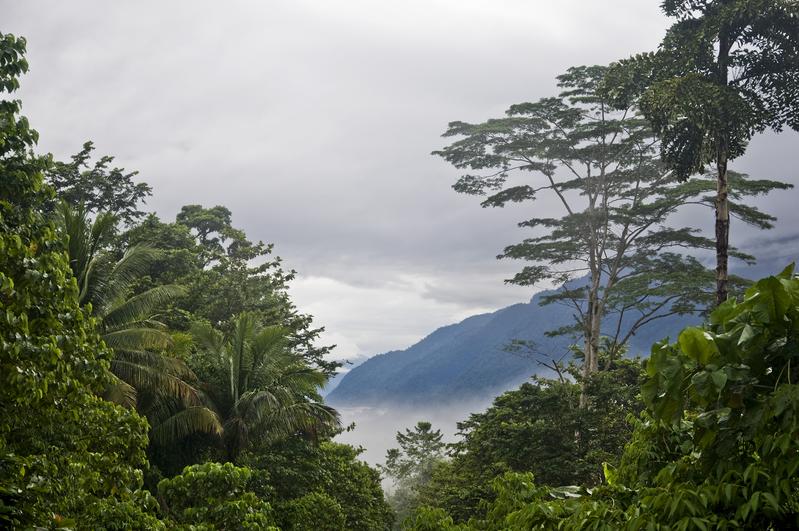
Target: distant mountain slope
(466,361)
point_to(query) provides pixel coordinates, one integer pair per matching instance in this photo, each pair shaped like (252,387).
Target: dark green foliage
(539,428)
(726,70)
(261,388)
(214,261)
(98,188)
(214,496)
(297,468)
(64,452)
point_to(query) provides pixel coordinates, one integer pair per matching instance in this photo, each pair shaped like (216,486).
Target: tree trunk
(722,225)
(592,332)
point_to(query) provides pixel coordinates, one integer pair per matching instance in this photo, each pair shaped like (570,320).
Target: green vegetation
(157,375)
(411,466)
(715,447)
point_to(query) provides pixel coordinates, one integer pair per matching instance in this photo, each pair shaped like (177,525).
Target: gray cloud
(313,121)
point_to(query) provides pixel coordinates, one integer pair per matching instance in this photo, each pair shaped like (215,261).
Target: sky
(313,121)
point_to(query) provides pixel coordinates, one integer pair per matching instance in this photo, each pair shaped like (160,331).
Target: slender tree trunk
(722,225)
(592,330)
(586,368)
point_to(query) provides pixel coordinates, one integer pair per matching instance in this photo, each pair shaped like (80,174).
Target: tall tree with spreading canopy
(612,200)
(726,70)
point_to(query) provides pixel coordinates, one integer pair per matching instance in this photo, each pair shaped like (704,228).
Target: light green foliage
(63,450)
(214,496)
(716,447)
(430,519)
(314,512)
(296,468)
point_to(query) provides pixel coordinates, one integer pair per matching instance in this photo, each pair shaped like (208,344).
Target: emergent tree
(606,230)
(726,70)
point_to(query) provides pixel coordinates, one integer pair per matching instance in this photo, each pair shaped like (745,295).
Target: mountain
(467,360)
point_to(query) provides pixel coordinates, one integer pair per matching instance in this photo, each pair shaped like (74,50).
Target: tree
(726,70)
(67,458)
(99,188)
(411,465)
(225,274)
(295,468)
(268,391)
(614,201)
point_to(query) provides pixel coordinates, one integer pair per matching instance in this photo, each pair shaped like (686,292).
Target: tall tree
(226,274)
(611,202)
(726,70)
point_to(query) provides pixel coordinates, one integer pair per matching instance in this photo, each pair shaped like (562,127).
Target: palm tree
(269,392)
(130,326)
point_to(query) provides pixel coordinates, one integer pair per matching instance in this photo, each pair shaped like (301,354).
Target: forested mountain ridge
(468,360)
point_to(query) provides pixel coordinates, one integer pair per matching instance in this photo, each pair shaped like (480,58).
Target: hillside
(466,361)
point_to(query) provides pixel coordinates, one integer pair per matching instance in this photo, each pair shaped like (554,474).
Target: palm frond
(137,339)
(143,377)
(124,273)
(269,341)
(153,360)
(141,307)
(120,392)
(208,338)
(195,419)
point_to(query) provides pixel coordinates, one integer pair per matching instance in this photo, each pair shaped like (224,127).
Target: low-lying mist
(376,427)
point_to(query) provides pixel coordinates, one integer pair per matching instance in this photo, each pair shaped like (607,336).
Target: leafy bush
(296,468)
(215,496)
(314,512)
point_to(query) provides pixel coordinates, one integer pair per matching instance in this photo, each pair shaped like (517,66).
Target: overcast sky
(313,121)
